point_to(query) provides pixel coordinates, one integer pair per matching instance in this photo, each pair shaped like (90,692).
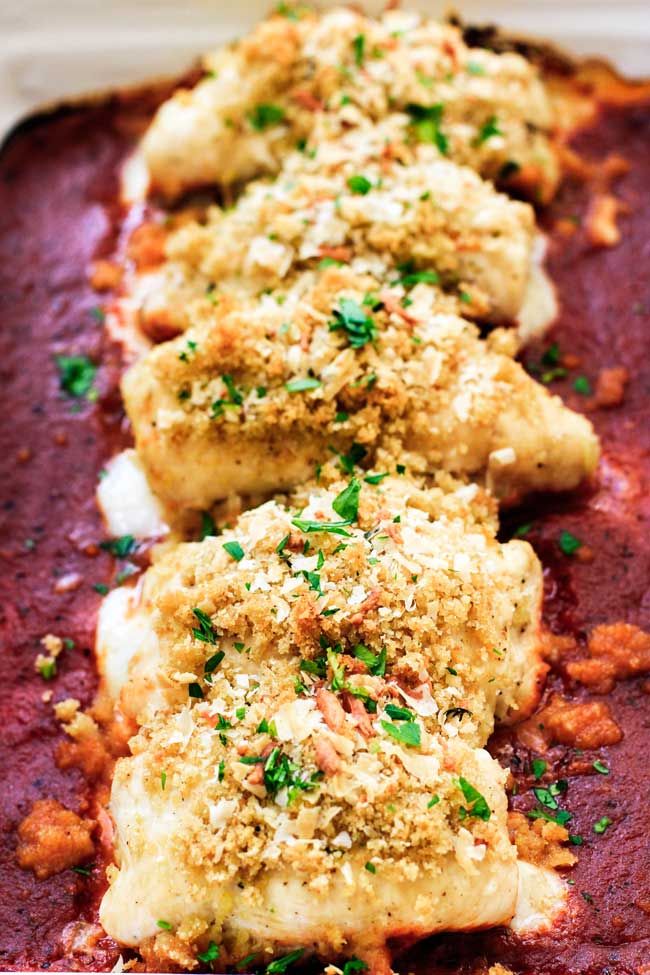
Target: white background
(53,49)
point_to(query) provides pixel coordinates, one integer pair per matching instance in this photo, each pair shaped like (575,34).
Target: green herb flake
(433,802)
(359,48)
(76,374)
(479,806)
(376,663)
(210,954)
(600,767)
(473,67)
(359,327)
(302,385)
(353,965)
(47,668)
(346,504)
(163,780)
(194,690)
(409,276)
(370,867)
(204,631)
(575,840)
(165,925)
(119,547)
(602,824)
(330,527)
(539,766)
(568,543)
(208,528)
(281,964)
(425,122)
(487,131)
(234,550)
(265,115)
(408,733)
(101,588)
(359,184)
(587,896)
(582,385)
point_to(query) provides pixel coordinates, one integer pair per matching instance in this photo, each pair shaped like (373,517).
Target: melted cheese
(126,500)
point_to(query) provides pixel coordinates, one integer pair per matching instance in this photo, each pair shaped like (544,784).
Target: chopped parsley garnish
(353,457)
(302,385)
(346,504)
(479,806)
(600,767)
(119,547)
(191,347)
(359,184)
(208,527)
(280,547)
(353,965)
(425,121)
(317,666)
(264,115)
(281,773)
(328,262)
(76,374)
(359,327)
(195,690)
(210,954)
(400,468)
(248,959)
(234,550)
(370,867)
(582,385)
(602,824)
(47,668)
(522,530)
(165,925)
(575,840)
(84,871)
(163,780)
(487,131)
(374,478)
(568,543)
(408,733)
(213,662)
(376,663)
(433,802)
(409,276)
(101,588)
(204,631)
(331,527)
(234,400)
(359,48)
(539,766)
(398,714)
(587,896)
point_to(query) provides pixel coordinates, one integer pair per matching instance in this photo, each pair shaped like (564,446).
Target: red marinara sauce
(59,211)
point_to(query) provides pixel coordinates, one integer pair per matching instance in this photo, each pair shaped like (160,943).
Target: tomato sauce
(59,211)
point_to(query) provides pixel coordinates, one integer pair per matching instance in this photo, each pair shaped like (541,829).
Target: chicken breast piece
(435,221)
(268,92)
(309,774)
(334,865)
(255,395)
(461,641)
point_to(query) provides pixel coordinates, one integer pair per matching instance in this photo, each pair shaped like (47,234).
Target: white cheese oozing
(126,500)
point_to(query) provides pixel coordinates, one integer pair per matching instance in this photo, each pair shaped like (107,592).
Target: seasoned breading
(454,613)
(314,734)
(256,394)
(434,220)
(306,79)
